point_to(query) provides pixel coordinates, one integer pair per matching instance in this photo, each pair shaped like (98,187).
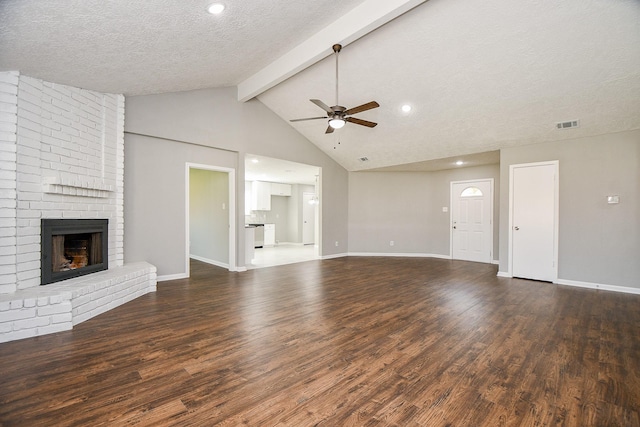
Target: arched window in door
(471,192)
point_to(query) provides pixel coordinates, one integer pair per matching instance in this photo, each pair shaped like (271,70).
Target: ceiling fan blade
(361,122)
(363,107)
(329,129)
(308,118)
(322,105)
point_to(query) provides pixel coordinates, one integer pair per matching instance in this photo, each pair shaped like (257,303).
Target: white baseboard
(332,256)
(209,261)
(504,274)
(172,277)
(400,254)
(495,262)
(600,286)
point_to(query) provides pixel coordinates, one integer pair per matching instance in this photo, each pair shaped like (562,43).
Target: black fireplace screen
(73,247)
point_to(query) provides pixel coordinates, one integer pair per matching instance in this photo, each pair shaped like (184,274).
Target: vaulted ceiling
(479,76)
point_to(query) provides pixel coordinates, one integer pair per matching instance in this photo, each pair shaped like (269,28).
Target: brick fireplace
(61,157)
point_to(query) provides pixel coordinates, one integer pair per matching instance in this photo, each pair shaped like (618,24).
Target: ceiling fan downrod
(337,48)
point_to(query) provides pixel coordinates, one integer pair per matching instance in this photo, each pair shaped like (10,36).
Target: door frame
(556,213)
(491,202)
(232,212)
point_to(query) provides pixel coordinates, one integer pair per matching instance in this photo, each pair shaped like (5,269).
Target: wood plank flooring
(353,341)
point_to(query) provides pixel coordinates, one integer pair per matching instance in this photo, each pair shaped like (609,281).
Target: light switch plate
(445,209)
(613,199)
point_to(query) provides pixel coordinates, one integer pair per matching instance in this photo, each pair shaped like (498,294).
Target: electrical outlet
(391,243)
(336,243)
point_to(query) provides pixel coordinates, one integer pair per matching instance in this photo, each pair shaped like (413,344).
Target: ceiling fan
(339,115)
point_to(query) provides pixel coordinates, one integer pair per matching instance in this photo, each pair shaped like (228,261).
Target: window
(471,192)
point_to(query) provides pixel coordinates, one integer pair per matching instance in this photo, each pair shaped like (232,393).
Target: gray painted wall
(598,243)
(210,127)
(154,198)
(406,207)
(209,215)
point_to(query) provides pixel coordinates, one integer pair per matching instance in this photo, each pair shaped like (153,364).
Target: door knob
(454,227)
(516,228)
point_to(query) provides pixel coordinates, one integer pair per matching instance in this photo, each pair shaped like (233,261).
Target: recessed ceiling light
(254,160)
(459,163)
(215,8)
(406,108)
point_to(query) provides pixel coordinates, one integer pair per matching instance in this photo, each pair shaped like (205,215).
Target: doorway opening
(210,216)
(283,198)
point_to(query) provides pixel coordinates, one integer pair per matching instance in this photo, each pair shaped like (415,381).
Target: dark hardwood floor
(343,342)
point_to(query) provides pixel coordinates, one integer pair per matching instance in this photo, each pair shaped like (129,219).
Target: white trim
(599,286)
(491,203)
(495,262)
(556,216)
(241,269)
(504,274)
(361,20)
(172,277)
(209,261)
(403,255)
(332,256)
(232,212)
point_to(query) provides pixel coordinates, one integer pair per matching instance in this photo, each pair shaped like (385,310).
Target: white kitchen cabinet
(261,196)
(278,189)
(269,235)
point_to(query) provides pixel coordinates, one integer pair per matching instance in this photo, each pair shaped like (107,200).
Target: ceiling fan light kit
(339,115)
(336,123)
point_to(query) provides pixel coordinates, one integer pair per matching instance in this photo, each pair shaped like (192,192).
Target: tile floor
(283,254)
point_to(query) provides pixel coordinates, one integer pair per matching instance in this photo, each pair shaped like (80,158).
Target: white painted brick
(7,250)
(18,335)
(29,266)
(55,327)
(62,318)
(11,77)
(8,259)
(12,315)
(7,97)
(35,281)
(84,308)
(48,310)
(59,298)
(8,269)
(31,323)
(8,137)
(5,327)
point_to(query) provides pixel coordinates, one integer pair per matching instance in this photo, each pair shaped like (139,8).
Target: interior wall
(154,199)
(406,208)
(209,216)
(599,243)
(212,119)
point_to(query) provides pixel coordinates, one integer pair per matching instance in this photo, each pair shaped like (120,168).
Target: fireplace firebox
(73,247)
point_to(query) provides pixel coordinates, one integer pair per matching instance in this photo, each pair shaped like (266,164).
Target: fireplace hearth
(73,247)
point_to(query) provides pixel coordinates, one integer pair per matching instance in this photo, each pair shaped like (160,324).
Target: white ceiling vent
(568,125)
(364,159)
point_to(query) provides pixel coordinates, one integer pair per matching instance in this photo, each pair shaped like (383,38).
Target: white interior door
(534,195)
(471,222)
(308,219)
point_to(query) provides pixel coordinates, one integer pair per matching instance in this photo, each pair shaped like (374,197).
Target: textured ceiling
(480,75)
(142,47)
